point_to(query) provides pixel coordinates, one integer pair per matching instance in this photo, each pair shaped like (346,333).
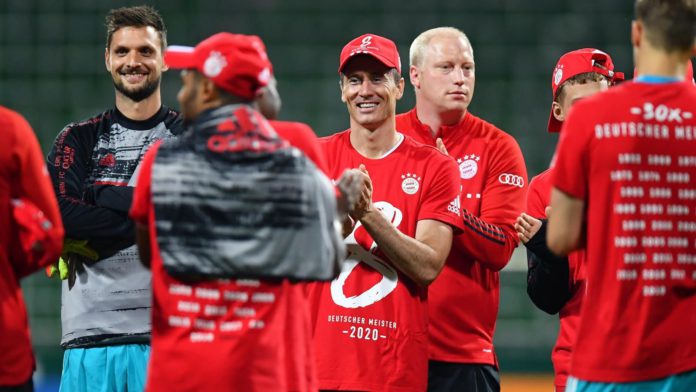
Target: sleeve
(490,238)
(68,165)
(572,163)
(35,186)
(548,276)
(142,197)
(441,198)
(310,146)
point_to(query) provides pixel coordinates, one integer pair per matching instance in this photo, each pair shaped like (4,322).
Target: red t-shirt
(22,175)
(630,154)
(569,316)
(223,335)
(371,322)
(301,136)
(493,180)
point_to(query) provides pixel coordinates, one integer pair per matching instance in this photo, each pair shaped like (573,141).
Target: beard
(140,93)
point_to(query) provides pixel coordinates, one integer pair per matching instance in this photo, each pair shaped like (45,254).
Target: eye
(121,51)
(353,81)
(444,67)
(377,78)
(146,51)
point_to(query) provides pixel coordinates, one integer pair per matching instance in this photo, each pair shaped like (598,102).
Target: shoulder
(489,130)
(425,152)
(540,181)
(338,137)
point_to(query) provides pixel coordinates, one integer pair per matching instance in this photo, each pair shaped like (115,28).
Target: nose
(365,88)
(133,58)
(458,76)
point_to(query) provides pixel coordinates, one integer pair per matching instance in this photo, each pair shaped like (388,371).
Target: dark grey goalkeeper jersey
(93,165)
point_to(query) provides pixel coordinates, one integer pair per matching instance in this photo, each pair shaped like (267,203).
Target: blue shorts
(105,369)
(682,382)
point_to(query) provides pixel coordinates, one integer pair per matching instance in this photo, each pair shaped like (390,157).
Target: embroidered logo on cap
(214,64)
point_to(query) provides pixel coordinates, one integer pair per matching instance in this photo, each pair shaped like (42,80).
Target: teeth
(366,105)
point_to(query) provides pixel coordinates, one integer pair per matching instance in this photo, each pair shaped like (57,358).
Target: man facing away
(230,218)
(623,190)
(557,284)
(105,310)
(370,322)
(493,193)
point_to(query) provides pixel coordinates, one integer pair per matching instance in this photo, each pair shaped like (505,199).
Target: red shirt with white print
(223,335)
(569,316)
(371,321)
(630,155)
(493,182)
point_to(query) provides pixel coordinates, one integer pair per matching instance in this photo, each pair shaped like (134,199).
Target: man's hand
(363,204)
(350,186)
(526,227)
(78,247)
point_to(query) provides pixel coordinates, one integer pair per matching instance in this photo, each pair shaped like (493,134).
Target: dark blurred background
(52,71)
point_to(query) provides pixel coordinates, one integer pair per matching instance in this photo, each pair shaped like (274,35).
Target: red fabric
(236,63)
(301,136)
(569,316)
(485,156)
(22,175)
(249,335)
(638,318)
(370,322)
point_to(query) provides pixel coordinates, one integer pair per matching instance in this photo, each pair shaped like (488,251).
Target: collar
(443,132)
(655,79)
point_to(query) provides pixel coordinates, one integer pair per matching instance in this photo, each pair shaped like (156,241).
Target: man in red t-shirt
(370,322)
(23,176)
(557,284)
(245,213)
(623,191)
(493,193)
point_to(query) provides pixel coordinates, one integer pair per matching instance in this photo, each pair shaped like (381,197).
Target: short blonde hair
(417,51)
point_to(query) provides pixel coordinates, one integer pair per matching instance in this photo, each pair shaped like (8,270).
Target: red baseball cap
(236,63)
(383,49)
(578,62)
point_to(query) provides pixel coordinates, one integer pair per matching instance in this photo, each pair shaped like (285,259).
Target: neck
(435,119)
(655,62)
(373,144)
(139,111)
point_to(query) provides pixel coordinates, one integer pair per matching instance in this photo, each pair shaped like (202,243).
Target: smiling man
(105,312)
(370,331)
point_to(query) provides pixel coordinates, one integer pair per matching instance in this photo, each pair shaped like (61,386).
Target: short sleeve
(571,172)
(441,198)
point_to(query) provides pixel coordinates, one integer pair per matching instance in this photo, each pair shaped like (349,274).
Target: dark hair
(138,16)
(581,78)
(670,25)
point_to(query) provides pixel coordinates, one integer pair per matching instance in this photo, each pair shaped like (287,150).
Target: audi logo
(511,179)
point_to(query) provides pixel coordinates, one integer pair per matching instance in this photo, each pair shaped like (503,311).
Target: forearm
(548,276)
(413,258)
(488,244)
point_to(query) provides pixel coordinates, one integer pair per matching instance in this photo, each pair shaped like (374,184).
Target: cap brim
(554,125)
(376,56)
(179,57)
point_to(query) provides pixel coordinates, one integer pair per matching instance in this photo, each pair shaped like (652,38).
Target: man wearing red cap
(493,182)
(370,328)
(623,191)
(23,176)
(230,217)
(557,284)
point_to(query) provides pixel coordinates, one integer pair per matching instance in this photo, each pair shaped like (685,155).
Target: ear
(400,88)
(165,67)
(208,91)
(557,111)
(414,74)
(341,84)
(636,33)
(107,58)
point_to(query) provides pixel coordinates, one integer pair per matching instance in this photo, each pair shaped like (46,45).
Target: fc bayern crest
(214,64)
(468,166)
(410,183)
